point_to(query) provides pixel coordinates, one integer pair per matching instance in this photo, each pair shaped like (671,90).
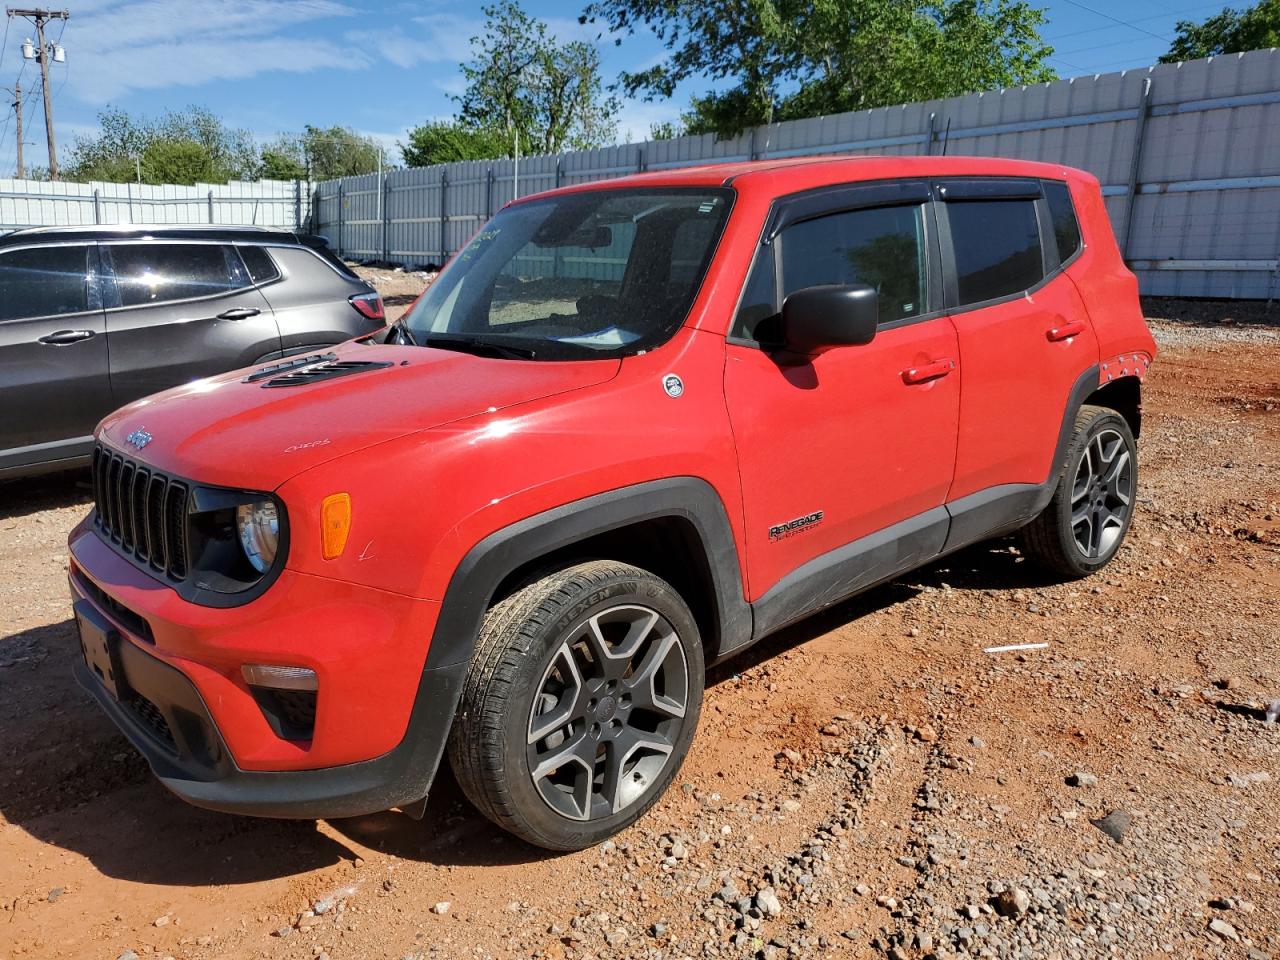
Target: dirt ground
(869,783)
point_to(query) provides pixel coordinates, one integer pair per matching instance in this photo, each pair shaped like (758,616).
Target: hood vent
(267,372)
(325,369)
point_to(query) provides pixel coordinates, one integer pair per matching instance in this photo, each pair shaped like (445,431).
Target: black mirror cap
(816,319)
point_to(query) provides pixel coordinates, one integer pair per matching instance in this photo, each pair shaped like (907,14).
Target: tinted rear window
(1066,229)
(43,281)
(328,256)
(262,269)
(997,248)
(156,273)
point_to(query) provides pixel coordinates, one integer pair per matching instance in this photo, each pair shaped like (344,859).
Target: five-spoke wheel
(1084,524)
(581,700)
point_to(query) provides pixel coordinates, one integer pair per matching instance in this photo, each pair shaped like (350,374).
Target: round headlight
(259,527)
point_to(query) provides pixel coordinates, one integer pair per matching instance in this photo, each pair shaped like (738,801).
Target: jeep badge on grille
(139,438)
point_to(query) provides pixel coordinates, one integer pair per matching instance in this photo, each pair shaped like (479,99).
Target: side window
(759,306)
(159,272)
(997,247)
(43,281)
(262,269)
(880,246)
(1066,229)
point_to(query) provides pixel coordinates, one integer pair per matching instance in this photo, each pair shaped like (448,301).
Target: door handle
(64,337)
(1066,331)
(239,313)
(934,370)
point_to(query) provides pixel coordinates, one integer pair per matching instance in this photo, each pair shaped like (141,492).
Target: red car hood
(225,432)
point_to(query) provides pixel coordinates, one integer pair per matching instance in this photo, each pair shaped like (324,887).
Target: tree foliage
(521,81)
(1231,31)
(787,59)
(446,141)
(184,147)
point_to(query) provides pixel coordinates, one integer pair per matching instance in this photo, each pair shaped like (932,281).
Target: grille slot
(142,511)
(150,715)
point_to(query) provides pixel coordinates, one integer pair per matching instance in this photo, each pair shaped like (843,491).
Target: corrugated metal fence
(1188,155)
(270,203)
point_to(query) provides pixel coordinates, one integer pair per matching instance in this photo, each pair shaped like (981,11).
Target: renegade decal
(799,525)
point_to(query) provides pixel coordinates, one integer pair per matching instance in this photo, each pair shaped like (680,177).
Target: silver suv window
(44,281)
(147,273)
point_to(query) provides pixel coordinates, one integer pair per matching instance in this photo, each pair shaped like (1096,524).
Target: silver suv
(94,317)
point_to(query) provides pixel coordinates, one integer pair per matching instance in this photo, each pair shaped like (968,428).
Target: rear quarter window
(257,260)
(1062,212)
(996,245)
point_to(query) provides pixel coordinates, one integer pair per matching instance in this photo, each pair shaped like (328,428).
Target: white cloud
(150,44)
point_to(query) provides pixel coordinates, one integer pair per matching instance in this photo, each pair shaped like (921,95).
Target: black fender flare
(489,562)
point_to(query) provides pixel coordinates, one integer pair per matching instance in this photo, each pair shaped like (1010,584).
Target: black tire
(1078,548)
(532,667)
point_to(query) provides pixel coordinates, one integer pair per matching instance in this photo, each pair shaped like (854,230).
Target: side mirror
(816,319)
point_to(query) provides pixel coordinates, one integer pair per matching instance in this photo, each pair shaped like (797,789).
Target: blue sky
(272,66)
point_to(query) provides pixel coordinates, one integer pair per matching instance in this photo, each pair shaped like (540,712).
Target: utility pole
(42,54)
(17,109)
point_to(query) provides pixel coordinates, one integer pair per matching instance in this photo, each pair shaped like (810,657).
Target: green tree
(521,81)
(666,130)
(1231,31)
(181,161)
(446,141)
(164,148)
(788,59)
(339,152)
(282,163)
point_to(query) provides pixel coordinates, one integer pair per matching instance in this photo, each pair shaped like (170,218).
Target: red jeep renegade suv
(633,427)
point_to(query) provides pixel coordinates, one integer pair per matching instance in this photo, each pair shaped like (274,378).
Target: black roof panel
(131,231)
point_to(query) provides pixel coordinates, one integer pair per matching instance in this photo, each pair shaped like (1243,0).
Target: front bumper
(176,691)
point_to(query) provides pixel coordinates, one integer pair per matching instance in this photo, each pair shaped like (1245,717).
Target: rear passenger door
(1024,333)
(53,354)
(178,311)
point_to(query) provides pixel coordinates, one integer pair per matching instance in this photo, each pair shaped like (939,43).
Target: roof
(140,231)
(785,175)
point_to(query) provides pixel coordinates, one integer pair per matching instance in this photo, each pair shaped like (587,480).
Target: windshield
(601,273)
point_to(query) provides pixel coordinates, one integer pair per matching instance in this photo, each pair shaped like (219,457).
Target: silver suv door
(53,353)
(178,311)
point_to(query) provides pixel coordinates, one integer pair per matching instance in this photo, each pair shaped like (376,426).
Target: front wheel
(579,705)
(1084,524)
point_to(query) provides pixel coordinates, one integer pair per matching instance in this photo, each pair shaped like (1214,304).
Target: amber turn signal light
(335,524)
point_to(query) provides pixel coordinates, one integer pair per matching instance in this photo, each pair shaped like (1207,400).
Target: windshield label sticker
(673,385)
(799,525)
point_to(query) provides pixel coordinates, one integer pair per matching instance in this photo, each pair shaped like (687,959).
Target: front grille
(141,511)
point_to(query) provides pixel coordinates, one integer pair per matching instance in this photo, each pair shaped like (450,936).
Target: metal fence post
(559,172)
(1131,195)
(928,137)
(297,204)
(639,159)
(488,194)
(340,216)
(444,215)
(386,217)
(211,206)
(97,206)
(751,145)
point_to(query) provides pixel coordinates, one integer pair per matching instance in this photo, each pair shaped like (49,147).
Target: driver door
(845,459)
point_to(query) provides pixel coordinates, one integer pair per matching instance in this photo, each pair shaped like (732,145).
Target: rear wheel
(1086,521)
(579,704)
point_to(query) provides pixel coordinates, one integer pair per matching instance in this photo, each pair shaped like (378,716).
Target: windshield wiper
(479,346)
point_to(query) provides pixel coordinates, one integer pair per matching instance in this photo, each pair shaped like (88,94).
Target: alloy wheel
(608,712)
(1102,494)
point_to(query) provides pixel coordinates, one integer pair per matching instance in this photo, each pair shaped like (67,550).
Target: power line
(1123,23)
(1157,16)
